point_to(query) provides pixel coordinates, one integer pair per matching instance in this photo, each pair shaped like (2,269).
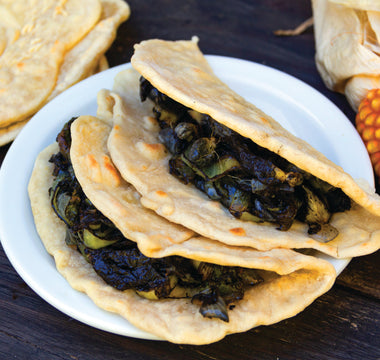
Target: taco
(202,156)
(160,276)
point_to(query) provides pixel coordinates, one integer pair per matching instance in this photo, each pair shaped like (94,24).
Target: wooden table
(342,324)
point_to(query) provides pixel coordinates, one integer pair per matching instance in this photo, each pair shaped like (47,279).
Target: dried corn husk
(347,36)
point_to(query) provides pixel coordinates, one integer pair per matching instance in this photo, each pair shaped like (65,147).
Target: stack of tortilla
(347,38)
(123,169)
(47,46)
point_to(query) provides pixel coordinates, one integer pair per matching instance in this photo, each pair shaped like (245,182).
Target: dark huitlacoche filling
(119,262)
(253,183)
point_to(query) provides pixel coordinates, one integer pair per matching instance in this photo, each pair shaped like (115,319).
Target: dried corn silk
(29,67)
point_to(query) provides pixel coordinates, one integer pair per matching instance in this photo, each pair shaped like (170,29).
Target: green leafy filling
(253,183)
(119,262)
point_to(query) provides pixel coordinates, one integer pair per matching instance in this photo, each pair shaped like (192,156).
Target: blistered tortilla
(82,60)
(101,181)
(292,280)
(30,65)
(77,62)
(180,71)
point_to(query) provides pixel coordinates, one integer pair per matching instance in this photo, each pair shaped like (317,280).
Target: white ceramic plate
(297,106)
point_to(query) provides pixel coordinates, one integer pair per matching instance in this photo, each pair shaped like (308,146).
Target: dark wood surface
(342,324)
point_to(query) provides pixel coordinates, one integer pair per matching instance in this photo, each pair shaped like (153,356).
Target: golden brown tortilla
(180,71)
(82,60)
(77,62)
(30,65)
(10,132)
(299,279)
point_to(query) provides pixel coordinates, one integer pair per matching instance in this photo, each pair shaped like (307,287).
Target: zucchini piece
(197,116)
(219,168)
(190,165)
(216,170)
(247,216)
(316,210)
(93,242)
(150,295)
(156,294)
(95,226)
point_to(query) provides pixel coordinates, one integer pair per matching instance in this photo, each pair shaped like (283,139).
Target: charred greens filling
(119,262)
(252,182)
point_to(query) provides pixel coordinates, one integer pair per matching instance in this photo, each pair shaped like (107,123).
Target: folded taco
(160,276)
(203,157)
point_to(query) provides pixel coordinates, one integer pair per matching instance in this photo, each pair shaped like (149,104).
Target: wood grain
(342,324)
(337,321)
(363,275)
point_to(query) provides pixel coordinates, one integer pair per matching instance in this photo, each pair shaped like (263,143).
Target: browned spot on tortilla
(94,168)
(154,147)
(150,119)
(161,193)
(59,10)
(111,170)
(153,151)
(150,123)
(238,231)
(92,161)
(16,35)
(20,65)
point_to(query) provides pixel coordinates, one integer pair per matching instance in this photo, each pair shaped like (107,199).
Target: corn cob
(368,125)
